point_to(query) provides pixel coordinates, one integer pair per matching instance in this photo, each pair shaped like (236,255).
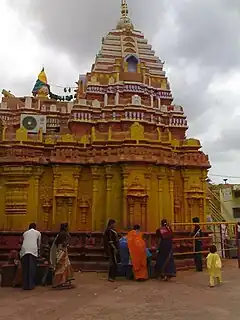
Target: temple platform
(87,253)
(95,298)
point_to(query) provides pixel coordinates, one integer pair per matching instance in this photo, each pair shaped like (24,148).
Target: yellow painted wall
(87,196)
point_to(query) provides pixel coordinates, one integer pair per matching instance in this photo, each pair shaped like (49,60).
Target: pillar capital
(109,172)
(95,172)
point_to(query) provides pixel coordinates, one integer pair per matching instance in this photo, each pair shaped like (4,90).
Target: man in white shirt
(29,253)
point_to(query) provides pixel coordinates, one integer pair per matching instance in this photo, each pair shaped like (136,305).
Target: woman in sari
(111,248)
(63,273)
(137,250)
(14,258)
(165,266)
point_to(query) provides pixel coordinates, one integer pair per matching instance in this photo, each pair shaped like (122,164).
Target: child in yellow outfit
(214,265)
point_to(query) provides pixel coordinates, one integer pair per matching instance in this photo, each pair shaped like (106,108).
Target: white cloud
(22,56)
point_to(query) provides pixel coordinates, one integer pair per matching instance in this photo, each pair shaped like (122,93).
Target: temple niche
(115,148)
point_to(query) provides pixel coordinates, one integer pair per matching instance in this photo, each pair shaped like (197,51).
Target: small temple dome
(125,23)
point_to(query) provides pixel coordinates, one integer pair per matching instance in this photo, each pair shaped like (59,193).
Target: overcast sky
(198,39)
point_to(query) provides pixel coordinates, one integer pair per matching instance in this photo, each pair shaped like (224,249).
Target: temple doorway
(63,210)
(137,212)
(137,200)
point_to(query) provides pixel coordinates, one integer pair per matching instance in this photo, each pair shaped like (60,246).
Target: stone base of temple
(86,249)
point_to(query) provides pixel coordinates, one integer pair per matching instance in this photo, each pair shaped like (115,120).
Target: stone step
(95,257)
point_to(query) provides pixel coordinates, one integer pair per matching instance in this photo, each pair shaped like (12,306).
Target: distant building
(226,199)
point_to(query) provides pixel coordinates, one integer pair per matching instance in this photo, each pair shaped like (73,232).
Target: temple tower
(120,152)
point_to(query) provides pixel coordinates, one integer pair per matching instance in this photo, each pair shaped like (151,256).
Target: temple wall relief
(88,196)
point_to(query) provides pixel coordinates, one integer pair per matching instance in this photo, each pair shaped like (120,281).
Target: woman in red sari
(165,266)
(137,250)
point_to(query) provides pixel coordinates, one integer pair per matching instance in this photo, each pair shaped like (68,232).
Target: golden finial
(125,22)
(124,9)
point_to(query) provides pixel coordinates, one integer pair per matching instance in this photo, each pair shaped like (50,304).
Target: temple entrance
(137,205)
(137,208)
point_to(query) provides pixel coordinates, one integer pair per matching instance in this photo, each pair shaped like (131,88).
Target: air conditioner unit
(32,122)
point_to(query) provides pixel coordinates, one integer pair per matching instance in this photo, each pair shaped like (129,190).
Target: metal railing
(222,235)
(218,212)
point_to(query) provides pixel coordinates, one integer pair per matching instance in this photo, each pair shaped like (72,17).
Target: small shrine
(114,148)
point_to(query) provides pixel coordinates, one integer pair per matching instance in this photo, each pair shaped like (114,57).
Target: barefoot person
(28,254)
(63,272)
(214,265)
(165,266)
(138,254)
(111,247)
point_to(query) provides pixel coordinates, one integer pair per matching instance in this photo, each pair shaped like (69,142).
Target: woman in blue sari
(126,265)
(165,266)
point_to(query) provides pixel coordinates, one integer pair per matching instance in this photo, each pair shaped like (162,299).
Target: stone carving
(22,135)
(68,138)
(93,79)
(136,100)
(85,140)
(111,80)
(16,198)
(137,132)
(96,103)
(93,135)
(192,143)
(136,189)
(84,206)
(49,140)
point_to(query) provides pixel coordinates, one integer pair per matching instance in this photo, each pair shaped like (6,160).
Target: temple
(117,148)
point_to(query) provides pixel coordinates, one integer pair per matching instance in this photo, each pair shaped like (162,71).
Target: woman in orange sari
(137,250)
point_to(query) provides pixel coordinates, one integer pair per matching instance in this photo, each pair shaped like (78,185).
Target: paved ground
(188,297)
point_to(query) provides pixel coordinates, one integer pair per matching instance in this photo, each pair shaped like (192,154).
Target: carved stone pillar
(95,180)
(70,206)
(76,176)
(149,81)
(148,176)
(143,213)
(187,215)
(160,198)
(130,220)
(125,175)
(105,99)
(159,102)
(171,194)
(108,176)
(56,177)
(84,208)
(37,173)
(47,207)
(151,101)
(59,203)
(117,98)
(190,207)
(201,210)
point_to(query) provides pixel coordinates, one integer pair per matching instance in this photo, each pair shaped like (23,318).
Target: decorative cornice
(134,88)
(120,152)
